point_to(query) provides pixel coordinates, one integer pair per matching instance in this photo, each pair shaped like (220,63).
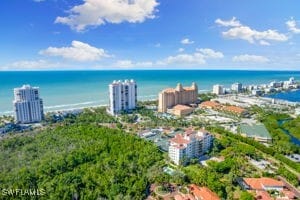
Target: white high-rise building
(191,144)
(237,87)
(28,106)
(218,89)
(122,96)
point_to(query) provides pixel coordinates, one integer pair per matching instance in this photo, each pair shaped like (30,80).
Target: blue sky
(149,34)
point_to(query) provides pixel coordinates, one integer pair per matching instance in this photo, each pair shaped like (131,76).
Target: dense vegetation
(293,126)
(79,161)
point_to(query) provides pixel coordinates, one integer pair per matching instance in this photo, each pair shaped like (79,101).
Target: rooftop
(203,193)
(260,183)
(255,130)
(181,107)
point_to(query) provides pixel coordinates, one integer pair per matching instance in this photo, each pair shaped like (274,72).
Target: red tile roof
(203,193)
(263,195)
(234,109)
(210,104)
(259,183)
(178,139)
(181,107)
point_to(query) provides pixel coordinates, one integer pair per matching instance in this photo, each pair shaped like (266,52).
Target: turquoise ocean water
(76,89)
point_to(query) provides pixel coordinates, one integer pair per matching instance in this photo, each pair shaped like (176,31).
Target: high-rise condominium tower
(122,96)
(28,106)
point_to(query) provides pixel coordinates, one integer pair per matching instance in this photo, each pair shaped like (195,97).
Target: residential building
(237,87)
(218,89)
(262,184)
(191,144)
(210,105)
(122,96)
(180,95)
(203,193)
(28,106)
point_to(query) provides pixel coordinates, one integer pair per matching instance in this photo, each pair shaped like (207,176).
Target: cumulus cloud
(250,58)
(292,26)
(186,41)
(30,65)
(264,43)
(232,22)
(210,53)
(78,51)
(181,50)
(239,31)
(98,12)
(198,57)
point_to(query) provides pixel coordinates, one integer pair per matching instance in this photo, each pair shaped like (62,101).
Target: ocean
(62,90)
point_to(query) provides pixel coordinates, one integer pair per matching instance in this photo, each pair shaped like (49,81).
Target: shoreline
(51,109)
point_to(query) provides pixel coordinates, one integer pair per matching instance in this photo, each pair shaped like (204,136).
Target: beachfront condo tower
(170,97)
(218,89)
(28,106)
(122,96)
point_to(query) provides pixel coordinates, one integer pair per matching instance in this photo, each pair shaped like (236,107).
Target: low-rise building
(210,105)
(261,184)
(181,110)
(191,144)
(256,131)
(203,193)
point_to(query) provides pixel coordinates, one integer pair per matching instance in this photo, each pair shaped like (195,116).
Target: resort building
(218,89)
(256,131)
(191,144)
(122,96)
(28,106)
(171,97)
(237,87)
(181,110)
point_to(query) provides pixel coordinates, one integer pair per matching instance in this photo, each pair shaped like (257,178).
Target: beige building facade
(170,97)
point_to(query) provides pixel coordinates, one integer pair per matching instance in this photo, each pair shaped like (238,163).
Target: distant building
(237,87)
(297,111)
(218,89)
(180,95)
(28,106)
(122,96)
(256,92)
(210,105)
(275,84)
(191,144)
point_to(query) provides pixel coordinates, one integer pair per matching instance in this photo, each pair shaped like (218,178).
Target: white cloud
(264,43)
(250,58)
(239,31)
(30,65)
(181,50)
(98,12)
(131,64)
(199,57)
(210,53)
(292,26)
(233,22)
(78,51)
(186,41)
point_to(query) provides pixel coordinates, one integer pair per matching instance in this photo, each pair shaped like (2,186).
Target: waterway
(293,139)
